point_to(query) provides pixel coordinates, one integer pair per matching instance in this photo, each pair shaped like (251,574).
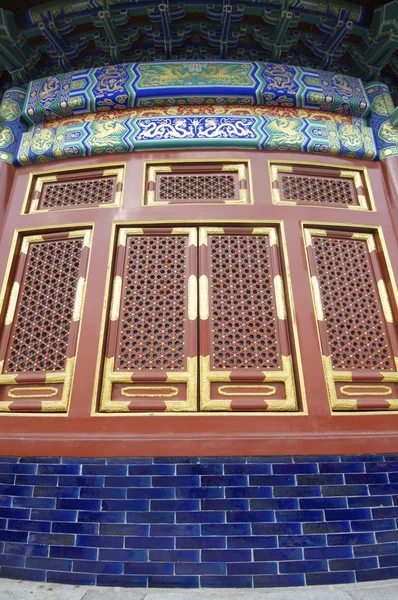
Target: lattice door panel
(311,185)
(85,188)
(246,360)
(151,352)
(41,327)
(355,320)
(197,183)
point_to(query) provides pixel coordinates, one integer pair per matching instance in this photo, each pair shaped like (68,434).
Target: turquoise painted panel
(386,134)
(11,125)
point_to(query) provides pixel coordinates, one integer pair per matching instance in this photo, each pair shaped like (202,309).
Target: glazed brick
(7,478)
(71,460)
(209,492)
(349,514)
(224,481)
(362,458)
(122,580)
(330,578)
(15,513)
(286,541)
(126,505)
(26,549)
(14,536)
(202,542)
(276,528)
(3,524)
(254,568)
(377,574)
(151,469)
(347,539)
(53,515)
(11,560)
(17,468)
(296,468)
(329,552)
(174,581)
(149,493)
(178,530)
(322,503)
(123,529)
(19,573)
(377,490)
(52,539)
(56,492)
(102,517)
(296,491)
(153,568)
(71,578)
(151,517)
(248,492)
(317,458)
(83,528)
(58,469)
(117,555)
(368,478)
(5,501)
(381,466)
(271,581)
(34,502)
(164,481)
(16,490)
(393,477)
(333,527)
(274,504)
(345,490)
(81,481)
(373,525)
(9,459)
(387,536)
(128,481)
(130,460)
(381,513)
(74,552)
(289,516)
(253,541)
(391,560)
(103,492)
(174,555)
(42,526)
(81,566)
(248,469)
(49,460)
(53,564)
(325,479)
(159,460)
(201,568)
(252,516)
(342,467)
(174,505)
(277,554)
(99,541)
(376,549)
(149,542)
(271,480)
(225,504)
(226,555)
(353,564)
(104,470)
(226,581)
(78,504)
(223,459)
(226,529)
(200,517)
(369,501)
(210,469)
(303,566)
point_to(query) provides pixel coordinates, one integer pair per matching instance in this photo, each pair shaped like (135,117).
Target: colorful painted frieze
(11,124)
(382,107)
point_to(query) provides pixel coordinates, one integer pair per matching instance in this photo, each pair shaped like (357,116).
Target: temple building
(198,306)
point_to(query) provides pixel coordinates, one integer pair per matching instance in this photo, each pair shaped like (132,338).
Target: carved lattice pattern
(330,190)
(353,315)
(196,188)
(40,334)
(77,193)
(242,303)
(154,300)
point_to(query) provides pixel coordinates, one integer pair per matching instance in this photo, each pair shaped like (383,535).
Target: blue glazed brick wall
(199,522)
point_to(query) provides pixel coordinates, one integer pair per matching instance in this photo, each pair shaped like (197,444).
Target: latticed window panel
(39,336)
(88,188)
(151,355)
(197,183)
(355,319)
(328,186)
(246,358)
